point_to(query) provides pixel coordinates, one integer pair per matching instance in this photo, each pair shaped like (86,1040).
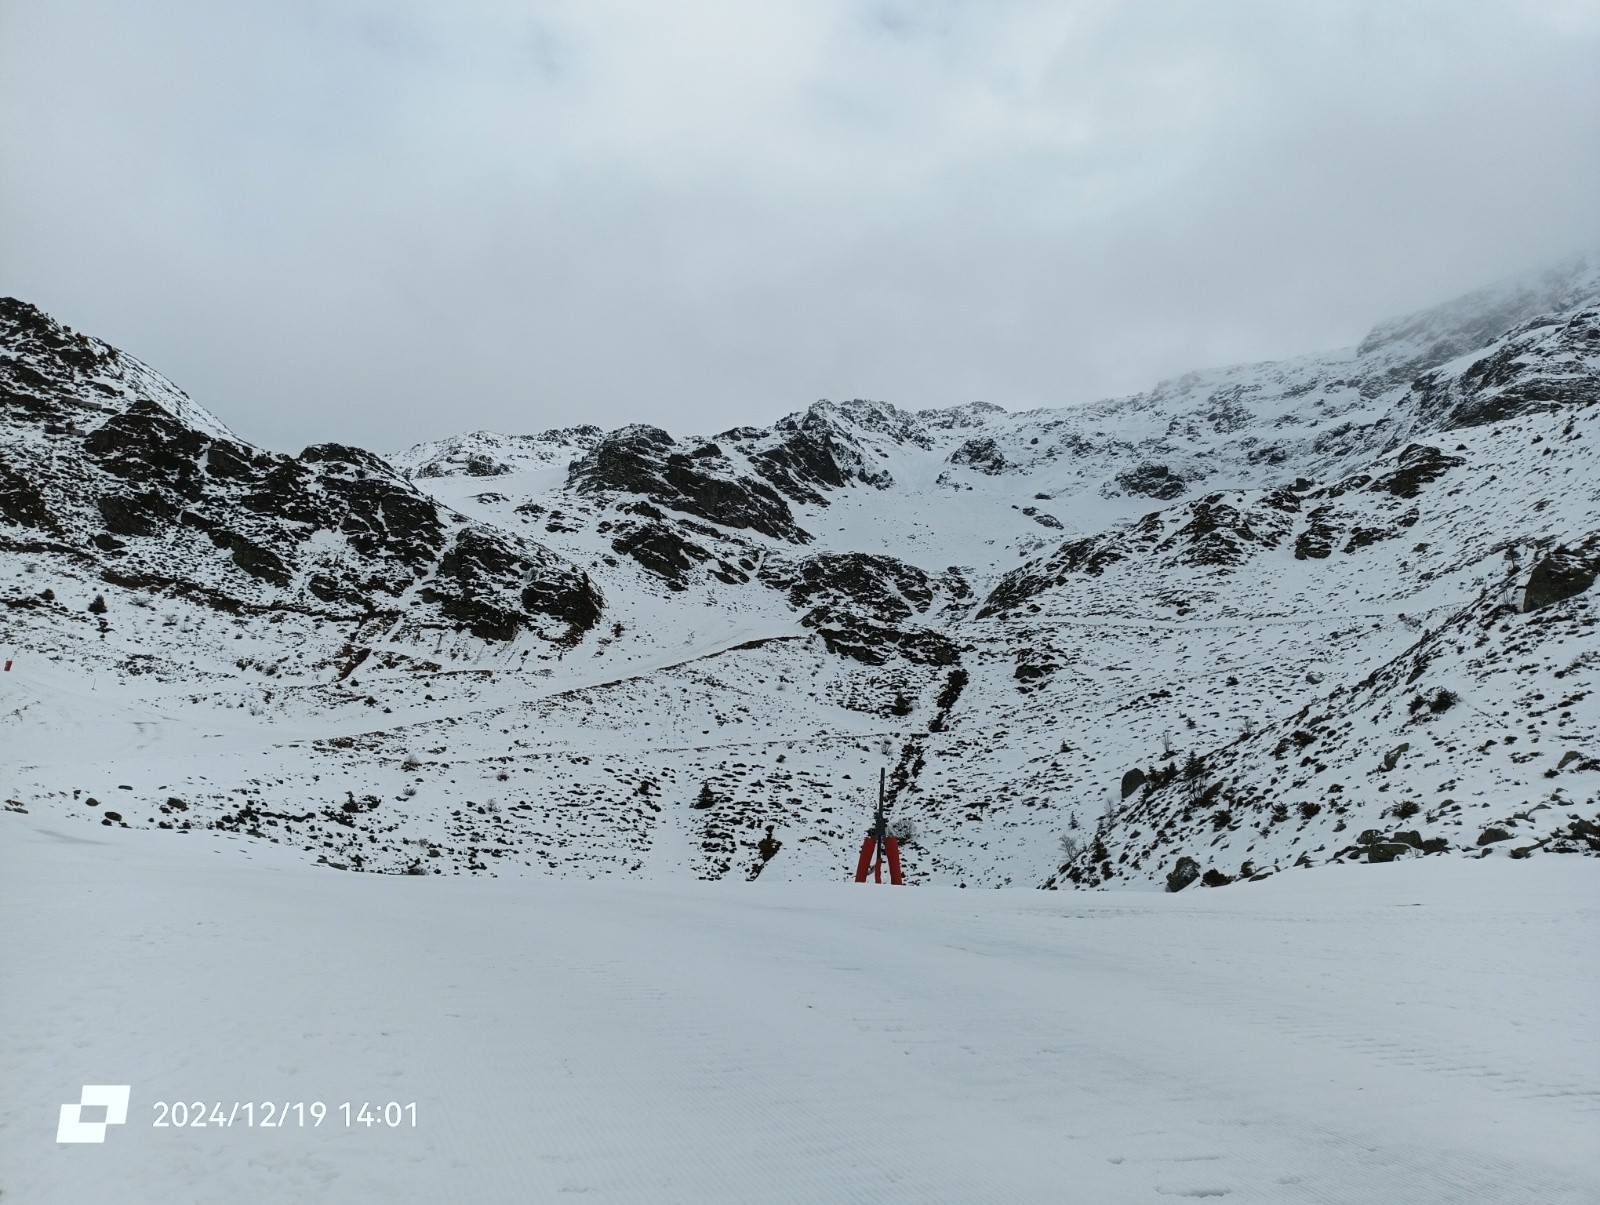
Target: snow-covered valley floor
(1427,1034)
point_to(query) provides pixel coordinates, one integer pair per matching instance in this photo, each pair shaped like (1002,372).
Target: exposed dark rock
(21,503)
(253,558)
(493,588)
(661,550)
(982,454)
(1392,758)
(1560,574)
(882,587)
(1542,366)
(848,635)
(145,444)
(1386,851)
(1316,541)
(1365,537)
(1418,465)
(139,515)
(1152,481)
(1214,532)
(1027,671)
(1091,555)
(767,848)
(1185,872)
(813,454)
(188,511)
(1132,781)
(1220,534)
(645,460)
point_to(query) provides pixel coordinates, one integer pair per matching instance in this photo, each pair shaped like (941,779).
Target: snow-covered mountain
(1335,607)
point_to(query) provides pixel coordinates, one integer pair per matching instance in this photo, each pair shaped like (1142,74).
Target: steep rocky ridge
(146,493)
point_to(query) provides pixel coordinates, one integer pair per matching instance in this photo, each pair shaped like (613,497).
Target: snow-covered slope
(545,652)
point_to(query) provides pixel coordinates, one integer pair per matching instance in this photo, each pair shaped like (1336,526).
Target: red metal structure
(879,847)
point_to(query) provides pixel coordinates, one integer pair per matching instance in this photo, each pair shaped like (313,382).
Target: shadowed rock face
(1562,573)
(863,606)
(1152,481)
(1546,365)
(159,502)
(807,460)
(22,504)
(493,588)
(983,454)
(646,461)
(1419,466)
(661,548)
(48,356)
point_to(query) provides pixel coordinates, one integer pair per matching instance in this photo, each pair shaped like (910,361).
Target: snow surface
(1416,1032)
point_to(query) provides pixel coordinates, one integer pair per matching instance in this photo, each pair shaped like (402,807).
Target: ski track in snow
(1414,1033)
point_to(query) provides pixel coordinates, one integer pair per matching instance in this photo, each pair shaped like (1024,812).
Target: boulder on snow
(1132,781)
(1386,851)
(1185,872)
(1560,574)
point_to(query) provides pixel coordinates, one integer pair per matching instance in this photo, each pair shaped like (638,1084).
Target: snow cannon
(879,847)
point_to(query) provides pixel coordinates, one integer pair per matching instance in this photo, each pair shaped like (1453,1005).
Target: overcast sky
(381,222)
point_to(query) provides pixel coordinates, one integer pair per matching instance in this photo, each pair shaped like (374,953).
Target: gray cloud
(382,222)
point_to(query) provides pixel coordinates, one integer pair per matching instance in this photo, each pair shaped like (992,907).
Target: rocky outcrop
(864,606)
(493,588)
(1562,573)
(662,548)
(1547,365)
(161,503)
(1152,481)
(694,479)
(1184,872)
(1418,465)
(982,454)
(807,455)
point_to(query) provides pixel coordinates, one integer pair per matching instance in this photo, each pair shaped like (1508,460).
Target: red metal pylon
(878,846)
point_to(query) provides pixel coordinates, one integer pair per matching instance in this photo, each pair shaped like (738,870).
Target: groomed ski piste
(1417,1032)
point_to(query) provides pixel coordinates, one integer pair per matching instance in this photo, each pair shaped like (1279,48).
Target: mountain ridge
(546,651)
